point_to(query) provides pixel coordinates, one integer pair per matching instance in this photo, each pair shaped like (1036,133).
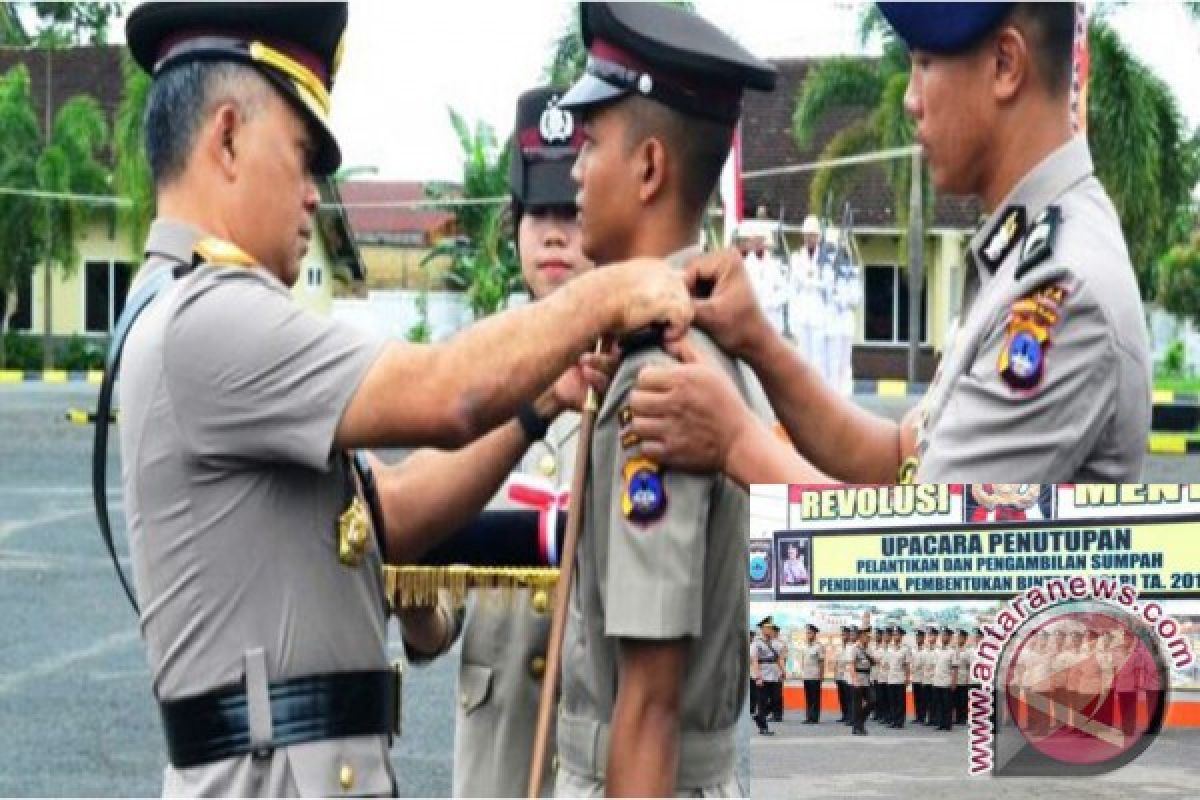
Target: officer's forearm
(435,492)
(836,436)
(757,455)
(643,752)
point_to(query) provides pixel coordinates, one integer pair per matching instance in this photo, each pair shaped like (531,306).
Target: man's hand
(594,371)
(687,415)
(647,292)
(730,313)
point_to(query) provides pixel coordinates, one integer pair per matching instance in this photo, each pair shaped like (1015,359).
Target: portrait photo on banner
(1009,502)
(793,556)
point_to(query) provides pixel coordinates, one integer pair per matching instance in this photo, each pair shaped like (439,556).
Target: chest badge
(353,533)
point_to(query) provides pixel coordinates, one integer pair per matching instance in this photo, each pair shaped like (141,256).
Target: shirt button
(537,667)
(541,601)
(548,466)
(462,698)
(346,777)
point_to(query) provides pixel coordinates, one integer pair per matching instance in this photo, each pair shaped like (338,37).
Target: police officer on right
(1048,378)
(945,679)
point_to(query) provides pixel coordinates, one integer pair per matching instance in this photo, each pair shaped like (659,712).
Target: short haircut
(179,103)
(698,147)
(1050,30)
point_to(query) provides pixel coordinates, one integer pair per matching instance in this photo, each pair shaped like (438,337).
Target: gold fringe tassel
(411,586)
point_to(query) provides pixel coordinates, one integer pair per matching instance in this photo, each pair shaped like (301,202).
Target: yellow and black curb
(11,376)
(79,416)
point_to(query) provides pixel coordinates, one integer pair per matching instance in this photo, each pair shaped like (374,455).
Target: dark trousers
(960,704)
(896,690)
(812,700)
(753,697)
(859,705)
(761,706)
(919,702)
(843,690)
(942,701)
(772,699)
(877,709)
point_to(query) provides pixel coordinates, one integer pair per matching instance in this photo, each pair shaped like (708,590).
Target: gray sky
(406,62)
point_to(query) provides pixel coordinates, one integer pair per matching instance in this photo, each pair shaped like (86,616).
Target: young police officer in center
(1048,377)
(265,637)
(654,659)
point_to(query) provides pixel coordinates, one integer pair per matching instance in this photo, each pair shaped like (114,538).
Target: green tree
(1143,153)
(131,171)
(70,163)
(483,257)
(55,24)
(22,218)
(1179,280)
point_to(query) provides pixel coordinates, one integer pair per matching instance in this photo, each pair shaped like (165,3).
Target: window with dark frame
(885,305)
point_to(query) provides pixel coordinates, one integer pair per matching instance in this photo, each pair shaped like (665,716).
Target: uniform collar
(173,239)
(1049,180)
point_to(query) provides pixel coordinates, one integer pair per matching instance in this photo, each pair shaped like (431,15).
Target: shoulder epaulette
(212,250)
(1039,242)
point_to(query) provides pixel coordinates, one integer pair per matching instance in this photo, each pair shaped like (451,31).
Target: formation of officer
(241,412)
(652,690)
(858,675)
(899,665)
(769,274)
(766,673)
(1048,376)
(842,667)
(920,685)
(812,672)
(878,649)
(944,681)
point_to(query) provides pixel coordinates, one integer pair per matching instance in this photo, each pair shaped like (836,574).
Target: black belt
(216,725)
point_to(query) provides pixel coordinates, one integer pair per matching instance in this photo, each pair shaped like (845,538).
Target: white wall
(393,312)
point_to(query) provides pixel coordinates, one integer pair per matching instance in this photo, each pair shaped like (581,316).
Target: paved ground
(825,761)
(76,714)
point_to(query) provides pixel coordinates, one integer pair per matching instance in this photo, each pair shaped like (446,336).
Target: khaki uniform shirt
(845,662)
(230,395)
(812,661)
(965,674)
(660,559)
(860,666)
(1049,376)
(921,665)
(766,655)
(945,667)
(878,651)
(897,662)
(504,645)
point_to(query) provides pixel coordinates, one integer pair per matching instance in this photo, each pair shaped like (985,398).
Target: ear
(1011,56)
(651,165)
(221,135)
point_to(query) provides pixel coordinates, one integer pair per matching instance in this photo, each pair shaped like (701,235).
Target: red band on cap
(297,53)
(718,93)
(531,139)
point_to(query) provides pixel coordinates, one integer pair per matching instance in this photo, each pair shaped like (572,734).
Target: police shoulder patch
(644,496)
(1031,320)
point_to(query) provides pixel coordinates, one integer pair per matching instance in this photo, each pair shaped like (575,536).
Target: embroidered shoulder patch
(644,498)
(1031,320)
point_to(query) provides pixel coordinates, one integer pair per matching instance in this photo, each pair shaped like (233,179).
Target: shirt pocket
(474,686)
(356,766)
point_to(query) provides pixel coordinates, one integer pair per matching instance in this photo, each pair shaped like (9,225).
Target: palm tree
(131,172)
(483,256)
(1142,151)
(22,219)
(878,85)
